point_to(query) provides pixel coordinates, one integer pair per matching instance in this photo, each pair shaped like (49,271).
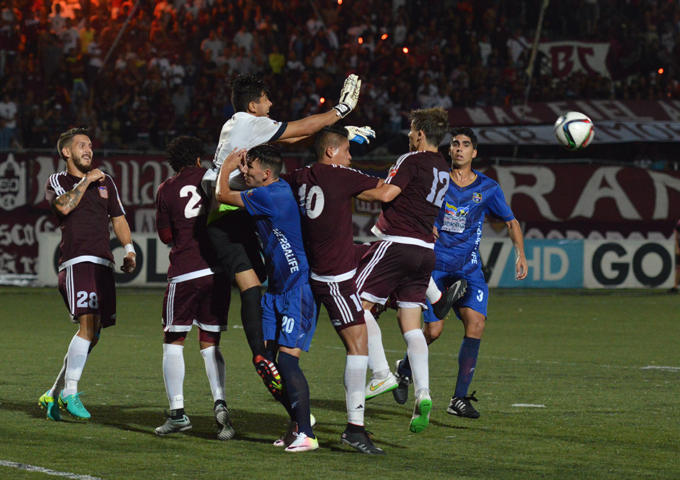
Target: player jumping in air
(230,228)
(85,199)
(196,285)
(471,195)
(288,308)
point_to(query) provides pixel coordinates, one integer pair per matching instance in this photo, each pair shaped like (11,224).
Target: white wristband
(129,248)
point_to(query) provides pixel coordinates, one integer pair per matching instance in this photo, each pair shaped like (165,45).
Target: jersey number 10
(313,202)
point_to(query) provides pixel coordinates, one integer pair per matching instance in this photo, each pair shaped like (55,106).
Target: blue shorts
(476,295)
(289,318)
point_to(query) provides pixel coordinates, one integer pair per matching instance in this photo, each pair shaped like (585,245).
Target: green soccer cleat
(51,406)
(421,413)
(174,426)
(73,405)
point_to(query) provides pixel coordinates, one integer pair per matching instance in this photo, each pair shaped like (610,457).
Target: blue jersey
(277,216)
(459,223)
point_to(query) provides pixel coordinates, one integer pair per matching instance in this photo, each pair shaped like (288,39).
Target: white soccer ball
(574,131)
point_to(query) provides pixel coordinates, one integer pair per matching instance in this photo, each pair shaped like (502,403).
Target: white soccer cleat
(303,443)
(377,387)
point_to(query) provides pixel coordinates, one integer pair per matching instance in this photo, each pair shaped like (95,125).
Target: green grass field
(605,366)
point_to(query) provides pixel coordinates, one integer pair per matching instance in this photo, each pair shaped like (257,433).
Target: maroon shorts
(341,301)
(202,301)
(398,269)
(89,288)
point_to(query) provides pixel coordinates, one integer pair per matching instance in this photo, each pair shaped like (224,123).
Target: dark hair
(434,123)
(467,131)
(268,156)
(246,89)
(66,138)
(331,136)
(183,152)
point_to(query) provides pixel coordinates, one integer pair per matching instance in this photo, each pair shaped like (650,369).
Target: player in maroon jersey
(400,264)
(84,199)
(196,285)
(325,190)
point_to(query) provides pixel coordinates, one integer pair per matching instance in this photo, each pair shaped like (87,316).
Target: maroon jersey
(181,206)
(85,231)
(423,178)
(325,193)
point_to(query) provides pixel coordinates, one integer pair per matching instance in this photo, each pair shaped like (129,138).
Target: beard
(81,166)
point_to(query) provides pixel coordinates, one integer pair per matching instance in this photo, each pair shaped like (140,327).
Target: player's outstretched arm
(303,128)
(223,192)
(384,193)
(66,203)
(515,232)
(122,231)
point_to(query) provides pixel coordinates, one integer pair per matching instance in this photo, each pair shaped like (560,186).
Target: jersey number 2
(439,186)
(192,209)
(313,202)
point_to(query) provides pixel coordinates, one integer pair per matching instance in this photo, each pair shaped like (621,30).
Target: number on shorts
(84,302)
(315,197)
(192,209)
(437,193)
(288,324)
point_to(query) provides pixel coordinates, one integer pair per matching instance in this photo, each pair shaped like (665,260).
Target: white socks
(173,374)
(75,362)
(418,358)
(216,371)
(433,294)
(355,385)
(377,361)
(59,382)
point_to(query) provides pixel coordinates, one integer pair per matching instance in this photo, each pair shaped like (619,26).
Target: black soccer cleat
(442,308)
(270,374)
(360,441)
(400,393)
(462,407)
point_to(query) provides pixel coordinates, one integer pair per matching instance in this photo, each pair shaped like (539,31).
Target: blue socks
(467,360)
(297,390)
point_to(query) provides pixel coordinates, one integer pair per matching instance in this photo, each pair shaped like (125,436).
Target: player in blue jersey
(288,307)
(471,195)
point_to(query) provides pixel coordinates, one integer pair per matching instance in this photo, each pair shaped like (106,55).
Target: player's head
(184,151)
(332,146)
(249,94)
(463,146)
(428,126)
(263,166)
(75,147)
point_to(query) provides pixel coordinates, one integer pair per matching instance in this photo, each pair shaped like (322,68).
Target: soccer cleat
(442,308)
(269,373)
(401,392)
(462,407)
(51,406)
(73,405)
(291,432)
(362,442)
(421,412)
(225,429)
(377,387)
(174,426)
(303,443)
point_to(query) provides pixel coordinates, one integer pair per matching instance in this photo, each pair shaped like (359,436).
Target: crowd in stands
(139,72)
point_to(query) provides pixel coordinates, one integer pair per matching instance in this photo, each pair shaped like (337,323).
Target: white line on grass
(528,405)
(46,471)
(659,367)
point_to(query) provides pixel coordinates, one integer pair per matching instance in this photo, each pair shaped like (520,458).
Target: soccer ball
(574,131)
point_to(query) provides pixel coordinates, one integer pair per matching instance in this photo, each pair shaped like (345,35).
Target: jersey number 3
(312,202)
(439,186)
(192,209)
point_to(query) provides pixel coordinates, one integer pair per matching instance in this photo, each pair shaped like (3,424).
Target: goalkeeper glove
(349,96)
(360,134)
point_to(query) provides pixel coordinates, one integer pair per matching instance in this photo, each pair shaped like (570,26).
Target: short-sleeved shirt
(242,130)
(325,194)
(423,178)
(85,231)
(277,219)
(459,223)
(181,206)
